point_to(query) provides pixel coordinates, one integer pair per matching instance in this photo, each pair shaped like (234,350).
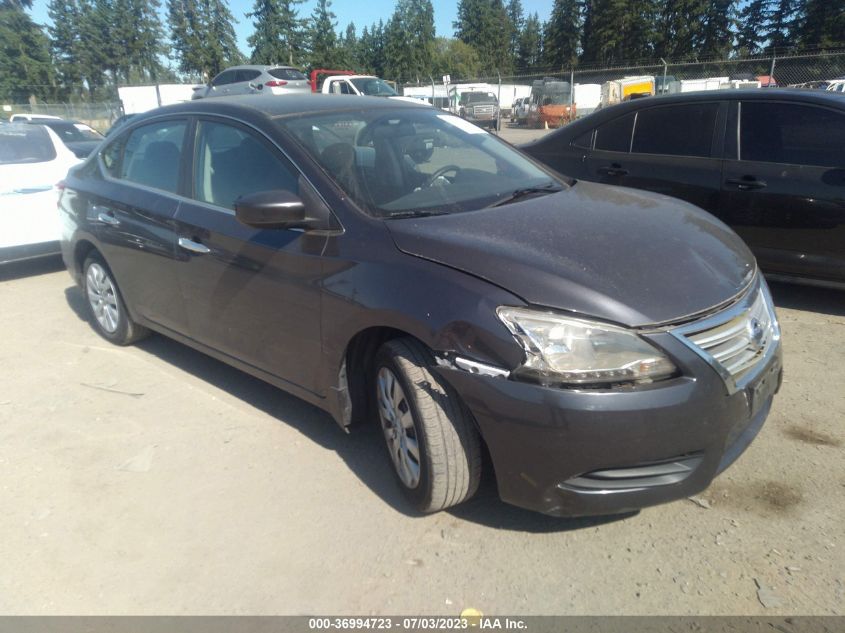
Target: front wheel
(430,435)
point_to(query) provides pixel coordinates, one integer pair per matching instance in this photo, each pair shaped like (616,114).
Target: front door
(252,294)
(783,190)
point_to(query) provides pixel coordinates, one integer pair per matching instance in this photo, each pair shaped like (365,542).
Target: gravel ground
(153,479)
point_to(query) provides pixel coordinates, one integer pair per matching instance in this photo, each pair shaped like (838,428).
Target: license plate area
(765,387)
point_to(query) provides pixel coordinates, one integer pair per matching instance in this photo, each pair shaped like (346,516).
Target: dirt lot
(152,479)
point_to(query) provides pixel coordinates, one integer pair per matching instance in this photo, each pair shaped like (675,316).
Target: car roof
(274,106)
(796,95)
(259,67)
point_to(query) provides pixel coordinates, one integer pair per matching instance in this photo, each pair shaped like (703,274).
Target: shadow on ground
(808,298)
(362,450)
(31,268)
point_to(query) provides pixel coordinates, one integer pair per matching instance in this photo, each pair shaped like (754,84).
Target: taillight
(60,185)
(276,83)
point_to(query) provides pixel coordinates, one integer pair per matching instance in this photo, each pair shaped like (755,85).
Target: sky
(361,12)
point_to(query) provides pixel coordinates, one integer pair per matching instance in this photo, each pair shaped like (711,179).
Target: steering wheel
(441,172)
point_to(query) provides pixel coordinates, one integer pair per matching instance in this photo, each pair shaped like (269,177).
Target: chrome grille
(738,340)
(483,110)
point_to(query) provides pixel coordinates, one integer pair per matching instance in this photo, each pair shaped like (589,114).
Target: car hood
(622,255)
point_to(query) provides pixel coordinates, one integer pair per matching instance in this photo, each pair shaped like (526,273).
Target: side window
(615,135)
(153,155)
(224,78)
(681,130)
(111,154)
(247,75)
(792,134)
(231,162)
(585,141)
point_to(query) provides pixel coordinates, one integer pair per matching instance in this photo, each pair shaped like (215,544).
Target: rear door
(784,185)
(670,149)
(222,84)
(132,213)
(245,82)
(252,294)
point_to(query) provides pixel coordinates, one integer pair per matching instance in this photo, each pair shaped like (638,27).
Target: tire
(448,455)
(106,305)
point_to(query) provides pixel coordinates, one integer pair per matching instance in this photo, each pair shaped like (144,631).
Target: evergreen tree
(279,35)
(65,43)
(562,34)
(409,41)
(25,69)
(371,49)
(187,31)
(135,38)
(484,25)
(822,23)
(618,30)
(781,22)
(751,27)
(221,43)
(517,22)
(322,37)
(349,45)
(716,38)
(455,58)
(680,28)
(530,54)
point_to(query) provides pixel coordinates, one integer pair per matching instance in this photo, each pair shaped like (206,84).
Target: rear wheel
(430,435)
(111,319)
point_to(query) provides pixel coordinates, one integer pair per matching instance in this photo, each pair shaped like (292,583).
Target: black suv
(769,163)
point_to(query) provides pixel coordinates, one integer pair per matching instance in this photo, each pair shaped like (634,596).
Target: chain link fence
(99,116)
(805,70)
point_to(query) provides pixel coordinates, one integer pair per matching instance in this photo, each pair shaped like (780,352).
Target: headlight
(560,349)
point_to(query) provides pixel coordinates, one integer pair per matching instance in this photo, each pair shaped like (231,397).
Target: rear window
(288,74)
(25,145)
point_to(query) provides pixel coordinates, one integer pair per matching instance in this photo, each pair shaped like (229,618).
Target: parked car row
(609,348)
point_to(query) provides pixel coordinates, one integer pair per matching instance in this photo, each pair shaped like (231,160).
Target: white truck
(362,85)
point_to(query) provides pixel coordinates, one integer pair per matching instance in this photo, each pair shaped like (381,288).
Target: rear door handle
(194,247)
(106,216)
(613,170)
(747,183)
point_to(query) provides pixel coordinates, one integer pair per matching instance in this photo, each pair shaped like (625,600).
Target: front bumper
(588,452)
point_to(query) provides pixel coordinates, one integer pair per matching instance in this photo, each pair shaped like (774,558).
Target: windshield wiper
(528,191)
(414,214)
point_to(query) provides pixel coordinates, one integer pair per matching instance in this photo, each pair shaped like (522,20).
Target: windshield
(374,87)
(73,132)
(415,162)
(478,97)
(25,144)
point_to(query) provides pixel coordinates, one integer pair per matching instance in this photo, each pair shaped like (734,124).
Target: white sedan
(33,160)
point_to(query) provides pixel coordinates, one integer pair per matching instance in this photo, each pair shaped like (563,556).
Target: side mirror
(277,209)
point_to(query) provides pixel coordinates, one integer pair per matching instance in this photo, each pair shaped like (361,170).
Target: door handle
(194,247)
(747,183)
(106,217)
(613,170)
